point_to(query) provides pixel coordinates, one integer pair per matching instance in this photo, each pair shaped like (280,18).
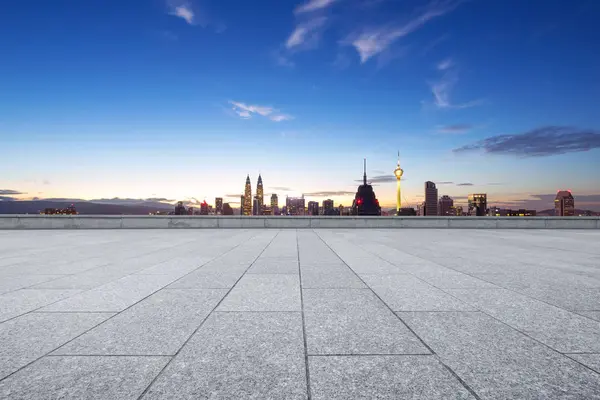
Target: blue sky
(182,99)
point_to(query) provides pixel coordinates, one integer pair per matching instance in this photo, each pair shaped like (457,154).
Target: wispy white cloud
(181,10)
(306,32)
(445,64)
(371,42)
(313,5)
(245,111)
(442,90)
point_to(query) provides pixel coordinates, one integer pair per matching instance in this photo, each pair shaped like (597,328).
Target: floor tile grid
(202,323)
(462,382)
(510,326)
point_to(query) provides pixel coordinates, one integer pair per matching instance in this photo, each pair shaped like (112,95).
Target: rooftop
(297,314)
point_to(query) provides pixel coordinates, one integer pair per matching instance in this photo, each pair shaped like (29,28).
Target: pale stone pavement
(300,314)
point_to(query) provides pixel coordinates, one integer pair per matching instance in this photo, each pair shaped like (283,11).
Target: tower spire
(365,172)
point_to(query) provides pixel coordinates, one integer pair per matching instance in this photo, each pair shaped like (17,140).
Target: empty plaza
(300,314)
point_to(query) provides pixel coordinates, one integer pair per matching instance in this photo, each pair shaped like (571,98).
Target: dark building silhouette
(313,208)
(256,206)
(328,207)
(260,196)
(242,205)
(431,199)
(407,211)
(477,204)
(219,205)
(503,212)
(70,210)
(227,210)
(274,204)
(180,209)
(365,202)
(445,206)
(295,205)
(204,208)
(564,204)
(190,211)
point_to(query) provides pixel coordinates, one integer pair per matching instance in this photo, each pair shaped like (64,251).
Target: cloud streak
(9,191)
(445,64)
(540,142)
(182,10)
(306,33)
(442,89)
(455,128)
(329,194)
(313,5)
(246,111)
(373,41)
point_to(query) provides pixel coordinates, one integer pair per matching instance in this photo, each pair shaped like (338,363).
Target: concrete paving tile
(341,300)
(23,301)
(382,377)
(114,296)
(360,332)
(238,356)
(373,265)
(176,267)
(274,266)
(498,362)
(256,292)
(159,325)
(12,283)
(560,329)
(567,297)
(590,314)
(82,378)
(85,280)
(407,293)
(205,279)
(451,279)
(330,278)
(28,337)
(590,360)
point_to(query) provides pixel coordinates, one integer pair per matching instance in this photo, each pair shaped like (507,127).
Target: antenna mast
(365,172)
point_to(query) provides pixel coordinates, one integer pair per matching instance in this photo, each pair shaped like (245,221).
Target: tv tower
(398,172)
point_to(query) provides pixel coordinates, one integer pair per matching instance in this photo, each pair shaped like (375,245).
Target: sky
(181,100)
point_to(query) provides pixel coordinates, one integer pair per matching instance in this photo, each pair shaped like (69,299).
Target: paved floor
(323,314)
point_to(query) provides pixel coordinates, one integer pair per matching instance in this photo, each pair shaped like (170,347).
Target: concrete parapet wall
(282,222)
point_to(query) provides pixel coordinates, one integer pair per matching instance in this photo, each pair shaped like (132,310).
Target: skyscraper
(477,204)
(204,208)
(255,206)
(274,204)
(328,207)
(219,205)
(260,196)
(431,199)
(446,205)
(247,205)
(242,202)
(295,205)
(365,202)
(564,204)
(313,208)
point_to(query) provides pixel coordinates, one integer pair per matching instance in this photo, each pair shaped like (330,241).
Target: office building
(406,211)
(227,210)
(477,204)
(256,206)
(445,206)
(295,205)
(260,196)
(431,199)
(365,202)
(274,204)
(242,205)
(204,208)
(327,208)
(180,209)
(564,204)
(313,208)
(219,205)
(503,212)
(247,204)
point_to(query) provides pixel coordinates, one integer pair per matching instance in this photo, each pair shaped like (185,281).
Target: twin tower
(258,200)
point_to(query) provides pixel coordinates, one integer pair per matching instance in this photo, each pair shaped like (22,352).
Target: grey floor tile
(159,325)
(560,329)
(341,300)
(255,292)
(567,297)
(206,279)
(12,283)
(373,265)
(590,314)
(83,378)
(377,377)
(407,293)
(590,360)
(239,356)
(451,279)
(85,280)
(22,301)
(498,362)
(274,266)
(330,278)
(114,296)
(28,337)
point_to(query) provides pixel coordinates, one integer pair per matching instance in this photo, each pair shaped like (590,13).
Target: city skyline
(180,100)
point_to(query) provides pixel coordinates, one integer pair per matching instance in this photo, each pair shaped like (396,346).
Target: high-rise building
(421,209)
(398,172)
(295,205)
(313,208)
(260,196)
(255,206)
(328,207)
(180,209)
(431,199)
(204,208)
(445,206)
(227,210)
(219,205)
(477,204)
(242,202)
(247,204)
(274,204)
(365,202)
(564,204)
